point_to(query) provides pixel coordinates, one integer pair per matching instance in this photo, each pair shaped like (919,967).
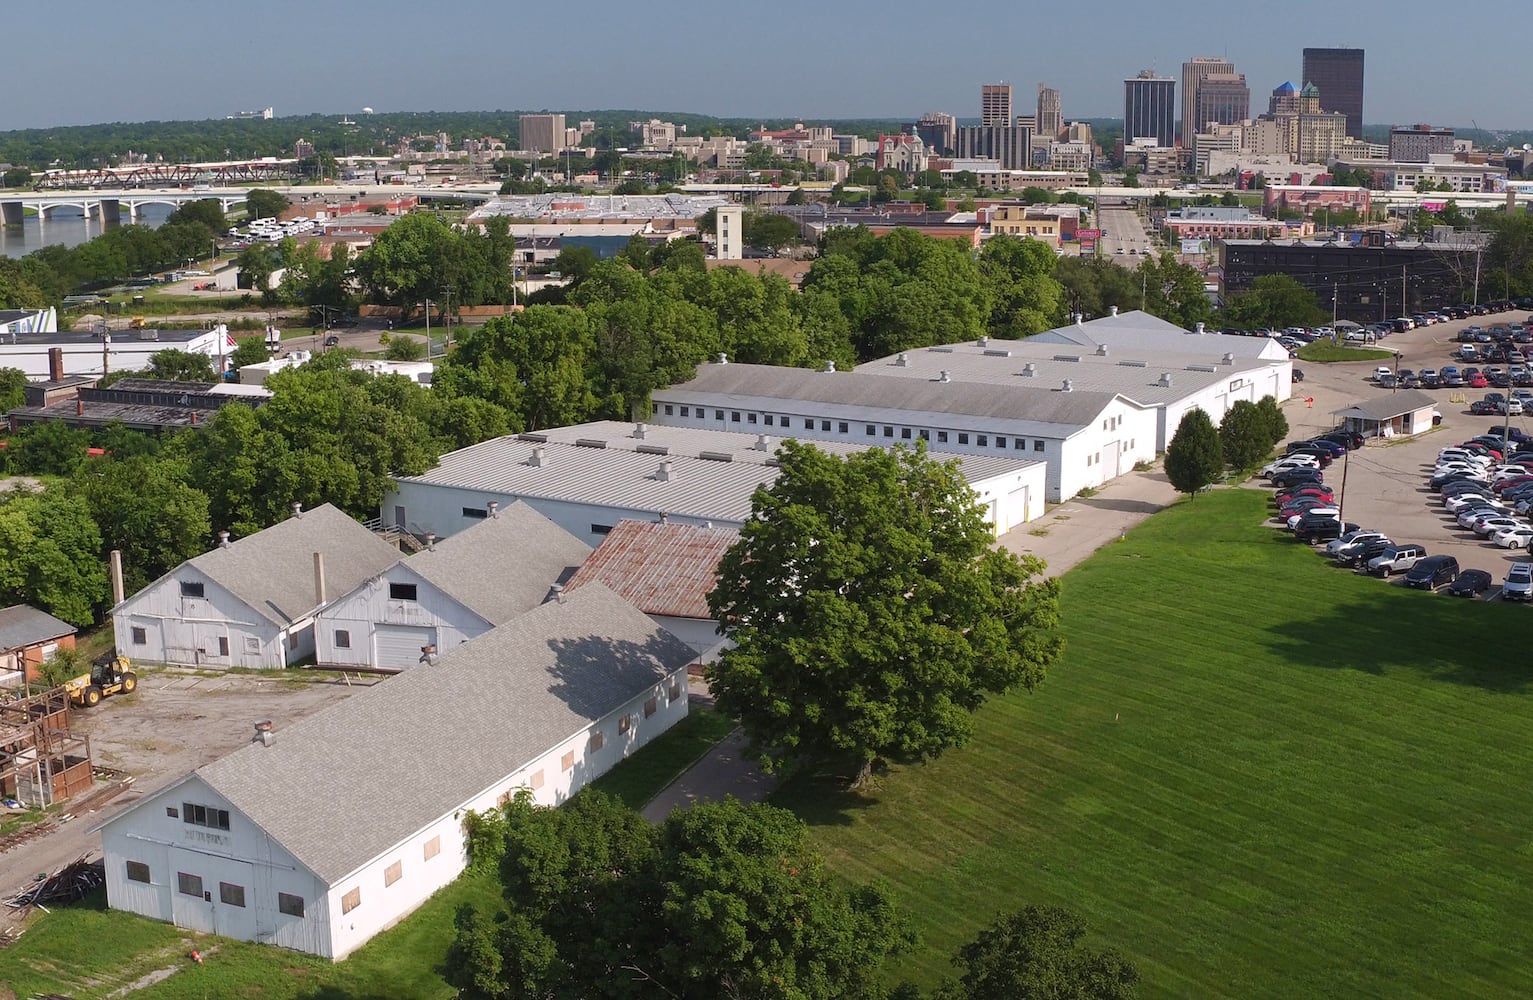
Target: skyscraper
(995,104)
(1193,74)
(1050,119)
(1149,109)
(939,131)
(1222,98)
(1338,73)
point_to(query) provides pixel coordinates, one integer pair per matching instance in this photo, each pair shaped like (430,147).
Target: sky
(89,61)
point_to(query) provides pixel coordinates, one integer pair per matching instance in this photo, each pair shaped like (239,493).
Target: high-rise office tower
(1338,73)
(1223,98)
(995,104)
(939,131)
(1193,74)
(1050,119)
(1149,109)
(542,133)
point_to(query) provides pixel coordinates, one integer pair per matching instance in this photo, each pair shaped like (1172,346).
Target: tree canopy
(1195,456)
(870,613)
(1035,953)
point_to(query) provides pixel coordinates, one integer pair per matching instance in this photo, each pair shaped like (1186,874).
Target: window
(1037,445)
(624,724)
(872,430)
(290,904)
(686,411)
(351,900)
(808,423)
(601,529)
(942,437)
(402,592)
(190,589)
(208,816)
(924,434)
(718,414)
(750,418)
(189,885)
(1088,461)
(734,416)
(1104,425)
(982,440)
(475,513)
(824,425)
(1020,444)
(1000,442)
(841,427)
(342,639)
(567,762)
(172,812)
(597,742)
(537,780)
(138,872)
(231,895)
(963,439)
(252,644)
(433,846)
(905,433)
(223,645)
(668,409)
(675,690)
(393,873)
(140,637)
(650,707)
(888,432)
(769,419)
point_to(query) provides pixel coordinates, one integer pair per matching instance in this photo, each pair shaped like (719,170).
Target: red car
(1314,492)
(1476,381)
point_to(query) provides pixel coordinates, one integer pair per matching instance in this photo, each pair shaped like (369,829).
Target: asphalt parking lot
(1386,482)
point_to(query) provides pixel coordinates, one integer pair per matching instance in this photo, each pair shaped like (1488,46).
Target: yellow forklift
(108,675)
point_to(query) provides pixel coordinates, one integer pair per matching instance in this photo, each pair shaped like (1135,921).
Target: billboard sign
(1088,234)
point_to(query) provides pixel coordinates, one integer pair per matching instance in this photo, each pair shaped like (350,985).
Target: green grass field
(1323,351)
(1256,775)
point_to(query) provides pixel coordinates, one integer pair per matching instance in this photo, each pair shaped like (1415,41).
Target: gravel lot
(1386,484)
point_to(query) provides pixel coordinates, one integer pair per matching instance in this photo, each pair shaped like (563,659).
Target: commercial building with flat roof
(995,104)
(1149,109)
(1419,143)
(1338,75)
(1194,72)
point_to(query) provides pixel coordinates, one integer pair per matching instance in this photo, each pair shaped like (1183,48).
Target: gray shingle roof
(22,625)
(741,385)
(1389,406)
(343,786)
(503,565)
(272,571)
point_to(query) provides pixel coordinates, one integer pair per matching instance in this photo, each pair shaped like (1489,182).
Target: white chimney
(539,457)
(263,733)
(493,507)
(944,376)
(722,358)
(903,361)
(117,587)
(1112,310)
(664,472)
(640,429)
(1067,387)
(319,578)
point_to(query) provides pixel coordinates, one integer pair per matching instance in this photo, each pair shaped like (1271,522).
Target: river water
(65,226)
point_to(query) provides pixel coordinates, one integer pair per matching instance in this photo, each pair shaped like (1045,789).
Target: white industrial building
(123,350)
(419,372)
(588,477)
(1141,333)
(28,321)
(323,833)
(666,571)
(251,602)
(457,589)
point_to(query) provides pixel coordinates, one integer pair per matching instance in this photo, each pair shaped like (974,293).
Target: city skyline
(179,64)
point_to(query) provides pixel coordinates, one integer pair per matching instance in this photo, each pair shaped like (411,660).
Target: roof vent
(998,353)
(1067,357)
(944,376)
(763,442)
(721,358)
(1080,319)
(1202,368)
(1228,359)
(557,590)
(653,449)
(1101,350)
(590,443)
(640,429)
(1133,364)
(830,366)
(263,733)
(1200,328)
(716,456)
(297,509)
(430,541)
(903,361)
(1029,370)
(534,438)
(665,472)
(983,342)
(493,507)
(1112,310)
(1067,387)
(428,655)
(539,457)
(1165,379)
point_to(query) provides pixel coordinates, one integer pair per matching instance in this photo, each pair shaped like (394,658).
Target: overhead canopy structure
(1410,411)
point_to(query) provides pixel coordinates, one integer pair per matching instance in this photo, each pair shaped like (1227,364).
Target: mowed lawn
(1254,773)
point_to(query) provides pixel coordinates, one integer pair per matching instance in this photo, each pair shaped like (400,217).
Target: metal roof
(272,571)
(345,785)
(1389,406)
(504,565)
(661,569)
(22,625)
(1140,332)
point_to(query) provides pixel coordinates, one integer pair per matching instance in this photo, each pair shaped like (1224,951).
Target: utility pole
(1405,310)
(1477,251)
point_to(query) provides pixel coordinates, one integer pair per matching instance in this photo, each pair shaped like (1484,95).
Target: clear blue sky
(97,61)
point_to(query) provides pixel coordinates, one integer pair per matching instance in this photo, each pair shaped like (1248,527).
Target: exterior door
(399,518)
(224,902)
(1112,453)
(398,647)
(212,645)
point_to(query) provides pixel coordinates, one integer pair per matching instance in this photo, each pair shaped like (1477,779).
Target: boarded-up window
(434,845)
(140,636)
(393,873)
(191,588)
(172,812)
(567,762)
(624,724)
(138,872)
(189,885)
(536,781)
(650,707)
(290,904)
(342,639)
(675,690)
(351,900)
(231,894)
(597,741)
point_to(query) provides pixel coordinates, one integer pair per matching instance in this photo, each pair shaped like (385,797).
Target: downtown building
(1338,73)
(1149,109)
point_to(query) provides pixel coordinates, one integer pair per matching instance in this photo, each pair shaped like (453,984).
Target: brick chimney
(56,364)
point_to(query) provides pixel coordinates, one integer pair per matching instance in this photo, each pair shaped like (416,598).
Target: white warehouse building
(588,477)
(321,834)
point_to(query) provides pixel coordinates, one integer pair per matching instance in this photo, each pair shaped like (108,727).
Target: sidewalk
(1071,532)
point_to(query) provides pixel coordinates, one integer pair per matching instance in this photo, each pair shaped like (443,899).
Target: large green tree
(1272,419)
(1195,456)
(1245,434)
(721,900)
(50,554)
(1173,291)
(871,613)
(1035,953)
(1025,297)
(262,203)
(1274,301)
(146,508)
(176,365)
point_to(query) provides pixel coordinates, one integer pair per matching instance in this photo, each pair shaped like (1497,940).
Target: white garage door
(396,647)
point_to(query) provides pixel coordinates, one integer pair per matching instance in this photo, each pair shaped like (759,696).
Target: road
(1123,235)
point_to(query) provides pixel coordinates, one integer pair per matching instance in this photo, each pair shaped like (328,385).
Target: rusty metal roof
(659,568)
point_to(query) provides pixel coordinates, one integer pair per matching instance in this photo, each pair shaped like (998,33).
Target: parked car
(1351,538)
(1315,528)
(1484,408)
(1396,559)
(1518,585)
(1311,512)
(1295,476)
(1475,380)
(1471,583)
(1350,439)
(1515,537)
(1432,572)
(1323,454)
(1333,448)
(1290,462)
(1485,526)
(1366,553)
